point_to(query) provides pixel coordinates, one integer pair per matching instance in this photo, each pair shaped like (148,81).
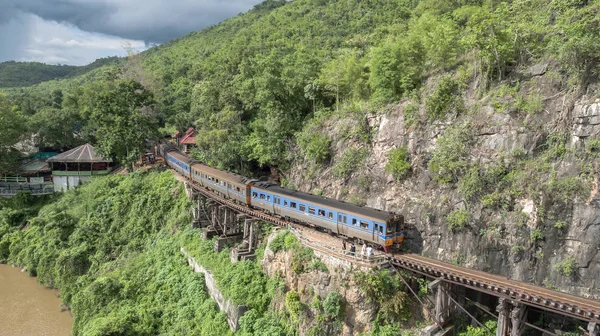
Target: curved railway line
(529,294)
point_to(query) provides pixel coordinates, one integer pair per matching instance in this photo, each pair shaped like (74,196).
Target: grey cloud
(153,21)
(14,35)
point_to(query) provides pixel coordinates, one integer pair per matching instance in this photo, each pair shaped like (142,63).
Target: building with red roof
(187,141)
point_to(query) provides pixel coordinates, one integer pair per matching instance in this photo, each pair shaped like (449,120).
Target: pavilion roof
(82,154)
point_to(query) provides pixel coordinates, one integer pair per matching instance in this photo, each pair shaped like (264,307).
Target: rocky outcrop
(537,238)
(359,311)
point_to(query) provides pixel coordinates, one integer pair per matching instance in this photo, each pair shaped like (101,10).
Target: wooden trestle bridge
(514,297)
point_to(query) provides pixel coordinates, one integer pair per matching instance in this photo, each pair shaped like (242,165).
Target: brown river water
(28,308)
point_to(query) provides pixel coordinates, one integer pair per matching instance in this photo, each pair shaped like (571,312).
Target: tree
(12,128)
(56,128)
(122,119)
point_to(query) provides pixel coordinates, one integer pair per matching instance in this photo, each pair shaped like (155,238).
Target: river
(29,309)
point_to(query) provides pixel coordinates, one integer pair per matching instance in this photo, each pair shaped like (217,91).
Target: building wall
(64,183)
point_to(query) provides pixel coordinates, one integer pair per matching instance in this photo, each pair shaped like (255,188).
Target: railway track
(529,294)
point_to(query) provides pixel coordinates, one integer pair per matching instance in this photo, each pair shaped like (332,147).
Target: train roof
(345,207)
(181,157)
(224,175)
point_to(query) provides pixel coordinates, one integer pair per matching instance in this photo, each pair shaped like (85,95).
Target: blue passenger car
(345,219)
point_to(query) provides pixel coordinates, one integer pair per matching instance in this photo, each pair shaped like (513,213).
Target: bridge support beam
(249,243)
(594,329)
(503,310)
(516,317)
(510,318)
(442,302)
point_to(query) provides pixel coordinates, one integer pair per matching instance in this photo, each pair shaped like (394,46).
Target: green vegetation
(110,249)
(21,74)
(333,305)
(398,163)
(490,325)
(315,145)
(450,157)
(457,219)
(388,292)
(303,258)
(446,98)
(349,162)
(567,267)
(536,235)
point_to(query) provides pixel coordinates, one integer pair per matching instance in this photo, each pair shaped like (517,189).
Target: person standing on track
(352,249)
(343,247)
(369,252)
(363,251)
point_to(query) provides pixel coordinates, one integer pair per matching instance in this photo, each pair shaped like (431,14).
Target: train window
(254,195)
(293,205)
(269,198)
(330,215)
(339,217)
(302,207)
(262,196)
(354,221)
(238,189)
(380,229)
(217,180)
(364,225)
(311,211)
(376,228)
(345,219)
(321,213)
(285,203)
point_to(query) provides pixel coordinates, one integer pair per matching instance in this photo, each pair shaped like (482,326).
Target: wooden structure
(77,166)
(186,142)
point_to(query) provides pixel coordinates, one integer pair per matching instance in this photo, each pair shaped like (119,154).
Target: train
(346,220)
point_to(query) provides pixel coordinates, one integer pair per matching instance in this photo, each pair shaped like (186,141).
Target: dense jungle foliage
(22,74)
(112,247)
(252,83)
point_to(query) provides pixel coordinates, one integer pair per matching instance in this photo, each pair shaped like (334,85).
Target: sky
(77,32)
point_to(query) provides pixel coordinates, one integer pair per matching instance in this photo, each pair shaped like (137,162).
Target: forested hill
(22,74)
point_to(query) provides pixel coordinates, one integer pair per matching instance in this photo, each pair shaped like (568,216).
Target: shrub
(301,259)
(567,267)
(569,188)
(350,160)
(315,145)
(318,265)
(532,104)
(560,225)
(398,163)
(491,325)
(333,305)
(278,243)
(449,160)
(316,302)
(290,241)
(444,99)
(293,304)
(593,146)
(556,144)
(472,183)
(457,219)
(536,235)
(411,114)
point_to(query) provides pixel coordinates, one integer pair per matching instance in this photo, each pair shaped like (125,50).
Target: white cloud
(60,43)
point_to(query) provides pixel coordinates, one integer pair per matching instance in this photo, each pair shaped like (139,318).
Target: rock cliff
(519,163)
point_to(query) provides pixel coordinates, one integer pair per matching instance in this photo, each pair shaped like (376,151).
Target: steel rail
(532,295)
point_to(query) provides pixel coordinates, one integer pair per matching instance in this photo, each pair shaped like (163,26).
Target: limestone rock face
(359,311)
(530,239)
